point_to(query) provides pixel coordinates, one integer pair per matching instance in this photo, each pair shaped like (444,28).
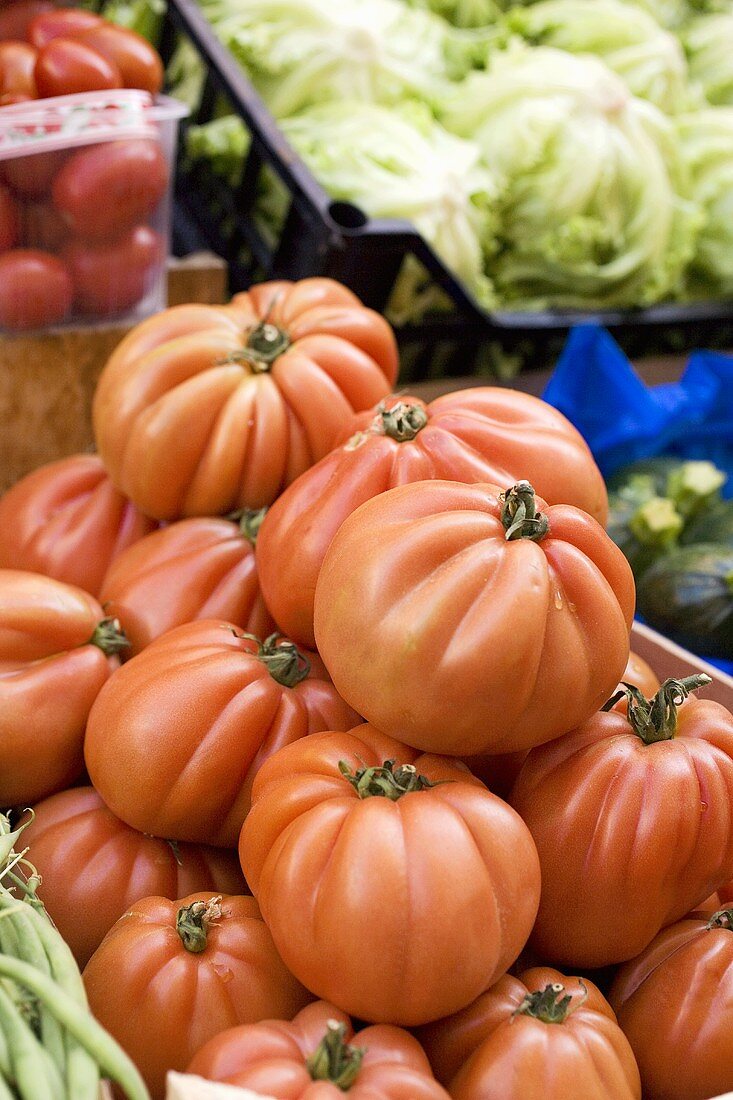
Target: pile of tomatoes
(361,653)
(78,234)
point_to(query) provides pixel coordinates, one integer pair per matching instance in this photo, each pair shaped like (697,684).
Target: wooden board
(47,380)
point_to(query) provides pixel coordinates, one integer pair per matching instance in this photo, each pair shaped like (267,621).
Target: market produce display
(548,152)
(349,863)
(668,517)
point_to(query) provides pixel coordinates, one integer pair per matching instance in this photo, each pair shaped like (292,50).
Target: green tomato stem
(110,1057)
(544,1004)
(334,1060)
(655,719)
(386,781)
(193,921)
(109,637)
(519,514)
(286,664)
(402,422)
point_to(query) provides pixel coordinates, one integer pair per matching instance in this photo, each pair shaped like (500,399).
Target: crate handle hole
(347,216)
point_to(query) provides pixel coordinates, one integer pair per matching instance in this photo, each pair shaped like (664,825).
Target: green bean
(108,1054)
(82,1073)
(6,1093)
(15,919)
(5,1064)
(35,1076)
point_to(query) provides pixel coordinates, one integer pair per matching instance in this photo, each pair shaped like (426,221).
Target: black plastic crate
(321,237)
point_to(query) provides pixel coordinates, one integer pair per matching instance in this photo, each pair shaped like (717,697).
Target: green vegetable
(641,523)
(298,53)
(50,1046)
(694,486)
(592,207)
(402,164)
(688,595)
(706,142)
(649,59)
(714,524)
(658,468)
(708,43)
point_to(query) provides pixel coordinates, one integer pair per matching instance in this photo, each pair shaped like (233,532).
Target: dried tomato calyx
(544,1004)
(249,521)
(109,637)
(520,516)
(386,781)
(722,919)
(334,1060)
(193,922)
(401,422)
(655,719)
(285,662)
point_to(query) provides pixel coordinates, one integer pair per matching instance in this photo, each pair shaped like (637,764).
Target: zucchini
(688,595)
(715,524)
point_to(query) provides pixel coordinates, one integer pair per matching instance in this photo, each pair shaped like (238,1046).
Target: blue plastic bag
(622,419)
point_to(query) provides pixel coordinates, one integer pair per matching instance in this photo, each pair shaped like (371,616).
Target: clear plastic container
(85,208)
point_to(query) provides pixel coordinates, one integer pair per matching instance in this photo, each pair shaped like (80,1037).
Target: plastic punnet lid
(64,122)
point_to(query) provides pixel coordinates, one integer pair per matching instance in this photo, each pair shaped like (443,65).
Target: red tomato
(450,1042)
(60,23)
(9,220)
(174,747)
(139,64)
(15,18)
(41,226)
(482,434)
(31,175)
(170,975)
(56,651)
(675,1005)
(17,68)
(448,634)
(193,569)
(631,817)
(66,66)
(67,520)
(111,278)
(106,189)
(35,289)
(552,1046)
(249,395)
(392,882)
(317,1054)
(90,862)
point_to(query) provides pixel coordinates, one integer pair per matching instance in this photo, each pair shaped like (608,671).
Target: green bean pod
(33,1072)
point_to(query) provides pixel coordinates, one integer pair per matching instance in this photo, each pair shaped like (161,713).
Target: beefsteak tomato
(632,820)
(56,651)
(169,975)
(553,1045)
(393,884)
(193,569)
(450,1042)
(316,1055)
(466,620)
(67,520)
(174,744)
(675,1005)
(202,410)
(93,867)
(485,434)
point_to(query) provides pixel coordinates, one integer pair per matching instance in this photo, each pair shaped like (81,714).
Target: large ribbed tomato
(193,569)
(316,1056)
(174,744)
(393,884)
(169,975)
(632,821)
(552,1045)
(67,520)
(93,867)
(675,1005)
(205,409)
(57,649)
(460,619)
(450,1042)
(486,434)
